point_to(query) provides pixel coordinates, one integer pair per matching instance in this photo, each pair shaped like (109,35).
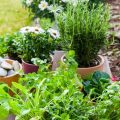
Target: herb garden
(56,68)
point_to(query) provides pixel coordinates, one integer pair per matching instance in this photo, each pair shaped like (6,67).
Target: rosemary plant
(84,29)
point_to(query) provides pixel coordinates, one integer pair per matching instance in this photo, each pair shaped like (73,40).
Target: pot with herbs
(84,29)
(36,43)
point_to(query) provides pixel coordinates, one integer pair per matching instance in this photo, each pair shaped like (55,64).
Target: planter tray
(107,67)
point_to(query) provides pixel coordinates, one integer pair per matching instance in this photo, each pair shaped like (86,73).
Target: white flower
(28,2)
(36,30)
(31,30)
(24,29)
(54,33)
(43,5)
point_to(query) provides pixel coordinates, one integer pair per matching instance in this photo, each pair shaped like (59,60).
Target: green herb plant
(56,95)
(3,47)
(36,46)
(10,45)
(84,30)
(107,106)
(47,96)
(96,84)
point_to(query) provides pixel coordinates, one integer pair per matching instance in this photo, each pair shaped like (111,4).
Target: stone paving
(114,50)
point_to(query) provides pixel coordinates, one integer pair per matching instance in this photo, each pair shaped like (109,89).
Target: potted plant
(36,43)
(85,29)
(9,71)
(10,46)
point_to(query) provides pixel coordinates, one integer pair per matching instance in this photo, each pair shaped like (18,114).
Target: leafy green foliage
(36,46)
(4,106)
(84,30)
(51,95)
(56,95)
(3,48)
(10,45)
(53,7)
(96,1)
(107,107)
(96,84)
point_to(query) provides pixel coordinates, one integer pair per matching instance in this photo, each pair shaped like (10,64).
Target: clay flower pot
(12,78)
(57,58)
(83,72)
(30,68)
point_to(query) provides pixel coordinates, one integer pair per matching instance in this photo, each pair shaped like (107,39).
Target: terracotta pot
(12,78)
(57,58)
(86,71)
(30,68)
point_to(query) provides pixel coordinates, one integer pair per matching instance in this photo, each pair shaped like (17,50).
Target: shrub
(37,43)
(10,45)
(84,30)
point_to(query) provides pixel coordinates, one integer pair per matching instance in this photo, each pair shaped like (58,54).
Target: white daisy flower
(28,29)
(43,5)
(29,2)
(31,30)
(38,30)
(54,33)
(24,30)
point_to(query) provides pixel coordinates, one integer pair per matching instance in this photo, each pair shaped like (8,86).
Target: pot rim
(37,65)
(12,74)
(102,60)
(29,63)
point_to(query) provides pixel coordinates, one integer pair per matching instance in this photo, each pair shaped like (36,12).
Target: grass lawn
(12,16)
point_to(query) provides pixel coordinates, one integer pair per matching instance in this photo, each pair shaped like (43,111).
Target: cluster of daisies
(37,30)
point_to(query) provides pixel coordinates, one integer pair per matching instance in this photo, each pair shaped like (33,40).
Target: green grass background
(12,16)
